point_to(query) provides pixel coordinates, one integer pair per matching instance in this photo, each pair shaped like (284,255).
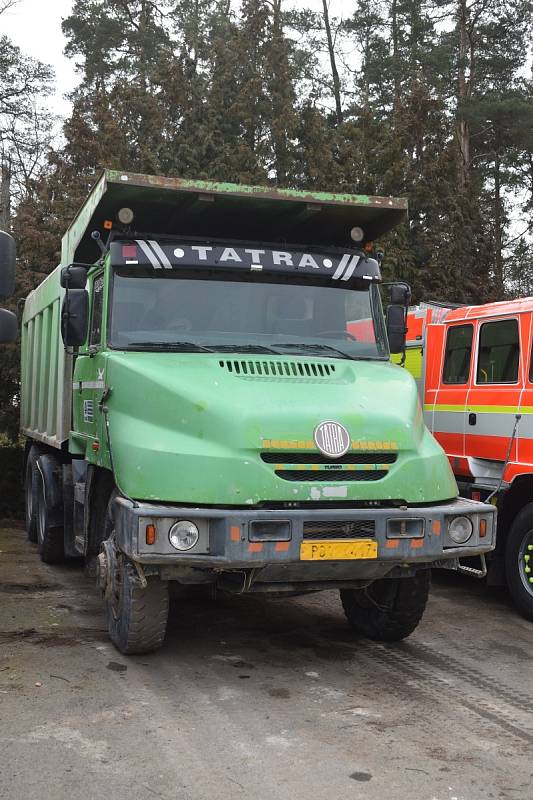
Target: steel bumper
(228,538)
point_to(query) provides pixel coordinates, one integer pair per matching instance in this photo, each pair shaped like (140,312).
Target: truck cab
(210,401)
(476,378)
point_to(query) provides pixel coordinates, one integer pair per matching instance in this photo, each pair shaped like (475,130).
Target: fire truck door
(494,397)
(449,415)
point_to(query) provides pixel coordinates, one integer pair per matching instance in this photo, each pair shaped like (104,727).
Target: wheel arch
(516,497)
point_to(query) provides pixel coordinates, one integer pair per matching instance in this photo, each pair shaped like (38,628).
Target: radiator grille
(342,476)
(346,529)
(303,457)
(303,370)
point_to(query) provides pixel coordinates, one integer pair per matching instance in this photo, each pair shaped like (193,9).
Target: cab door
(494,397)
(449,409)
(88,382)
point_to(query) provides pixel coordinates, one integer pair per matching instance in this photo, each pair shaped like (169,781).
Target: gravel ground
(259,698)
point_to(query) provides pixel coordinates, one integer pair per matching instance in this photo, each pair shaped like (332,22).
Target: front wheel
(389,609)
(519,561)
(136,617)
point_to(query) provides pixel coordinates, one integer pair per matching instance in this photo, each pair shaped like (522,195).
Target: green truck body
(228,419)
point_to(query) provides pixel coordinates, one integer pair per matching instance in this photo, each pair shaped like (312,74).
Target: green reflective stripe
(481,409)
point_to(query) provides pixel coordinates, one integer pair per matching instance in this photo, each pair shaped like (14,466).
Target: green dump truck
(208,398)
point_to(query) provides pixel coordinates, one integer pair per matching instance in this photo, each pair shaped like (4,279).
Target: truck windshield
(196,314)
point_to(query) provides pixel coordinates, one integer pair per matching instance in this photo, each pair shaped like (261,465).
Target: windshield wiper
(242,348)
(177,346)
(316,347)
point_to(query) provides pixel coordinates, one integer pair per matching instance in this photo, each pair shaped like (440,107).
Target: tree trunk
(498,222)
(463,91)
(395,54)
(333,62)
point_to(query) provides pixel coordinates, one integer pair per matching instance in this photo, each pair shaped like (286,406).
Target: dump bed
(196,209)
(46,370)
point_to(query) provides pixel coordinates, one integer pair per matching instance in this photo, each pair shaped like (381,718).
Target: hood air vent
(302,370)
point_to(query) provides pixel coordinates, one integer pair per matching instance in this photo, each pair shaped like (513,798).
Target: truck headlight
(183,535)
(460,529)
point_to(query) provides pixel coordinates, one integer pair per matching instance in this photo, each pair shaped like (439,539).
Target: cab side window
(458,354)
(499,349)
(96,313)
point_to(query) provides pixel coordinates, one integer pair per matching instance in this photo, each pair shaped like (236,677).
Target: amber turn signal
(150,534)
(482,528)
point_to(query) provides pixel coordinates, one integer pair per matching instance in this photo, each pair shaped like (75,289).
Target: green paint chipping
(113,176)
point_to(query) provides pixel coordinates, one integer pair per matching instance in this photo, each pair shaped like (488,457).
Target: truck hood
(203,429)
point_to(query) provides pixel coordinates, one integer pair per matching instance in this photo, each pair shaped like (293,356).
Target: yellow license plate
(338,550)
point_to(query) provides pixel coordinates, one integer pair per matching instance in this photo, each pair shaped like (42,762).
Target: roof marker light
(125,215)
(357,234)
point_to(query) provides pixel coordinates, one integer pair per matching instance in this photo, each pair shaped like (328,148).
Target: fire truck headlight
(460,529)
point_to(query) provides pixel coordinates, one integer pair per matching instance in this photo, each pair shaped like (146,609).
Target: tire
(136,617)
(31,476)
(140,624)
(519,559)
(49,537)
(389,609)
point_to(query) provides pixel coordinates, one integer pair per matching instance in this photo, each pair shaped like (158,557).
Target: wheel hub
(525,562)
(106,567)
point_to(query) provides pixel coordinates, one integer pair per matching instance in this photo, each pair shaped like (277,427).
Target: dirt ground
(259,698)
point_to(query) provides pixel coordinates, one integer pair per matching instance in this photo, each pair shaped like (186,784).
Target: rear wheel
(49,537)
(519,561)
(389,609)
(31,476)
(136,616)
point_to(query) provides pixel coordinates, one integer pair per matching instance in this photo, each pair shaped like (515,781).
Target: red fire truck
(474,368)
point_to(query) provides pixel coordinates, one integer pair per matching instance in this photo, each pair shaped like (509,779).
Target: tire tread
(401,617)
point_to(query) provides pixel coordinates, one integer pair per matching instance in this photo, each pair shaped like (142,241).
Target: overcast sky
(35,26)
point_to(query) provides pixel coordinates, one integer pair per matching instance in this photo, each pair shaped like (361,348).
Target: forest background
(430,100)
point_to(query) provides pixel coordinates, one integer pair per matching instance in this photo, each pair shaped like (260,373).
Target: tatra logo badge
(332,439)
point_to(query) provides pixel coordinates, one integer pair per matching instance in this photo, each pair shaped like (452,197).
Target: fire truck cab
(474,369)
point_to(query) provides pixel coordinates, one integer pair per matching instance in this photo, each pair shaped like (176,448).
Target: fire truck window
(457,356)
(499,349)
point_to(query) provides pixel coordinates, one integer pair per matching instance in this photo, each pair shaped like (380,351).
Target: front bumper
(228,539)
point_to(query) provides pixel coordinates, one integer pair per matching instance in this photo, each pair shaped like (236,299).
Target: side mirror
(73,277)
(8,326)
(396,328)
(400,294)
(8,258)
(75,317)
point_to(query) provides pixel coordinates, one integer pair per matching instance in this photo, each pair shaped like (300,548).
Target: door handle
(472,419)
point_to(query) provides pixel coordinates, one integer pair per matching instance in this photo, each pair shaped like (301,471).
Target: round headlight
(460,529)
(183,535)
